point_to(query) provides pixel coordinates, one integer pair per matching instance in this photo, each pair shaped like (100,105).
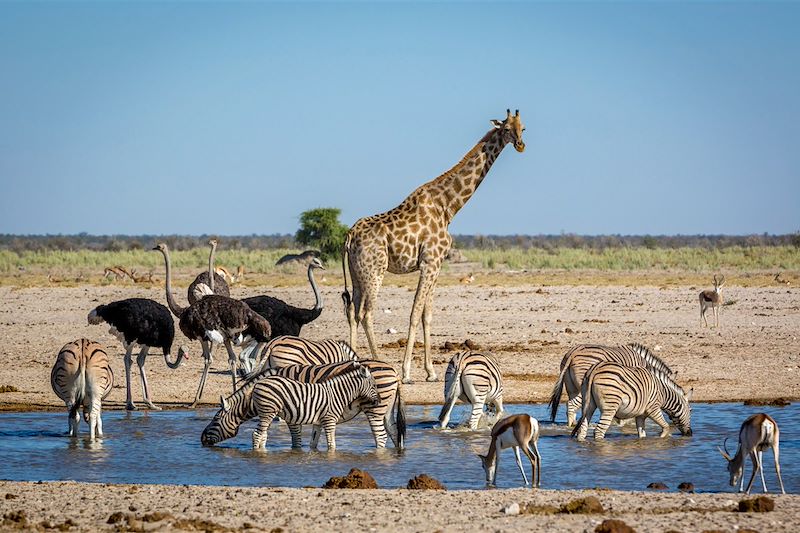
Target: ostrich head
(161,247)
(316,263)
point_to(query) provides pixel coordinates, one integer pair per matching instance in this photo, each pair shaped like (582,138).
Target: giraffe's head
(512,129)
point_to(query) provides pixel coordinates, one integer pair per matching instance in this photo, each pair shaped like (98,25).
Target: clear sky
(233,118)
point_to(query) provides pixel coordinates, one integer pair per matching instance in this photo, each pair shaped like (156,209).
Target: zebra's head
(224,425)
(682,418)
(369,389)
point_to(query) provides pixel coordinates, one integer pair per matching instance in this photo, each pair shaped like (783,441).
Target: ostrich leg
(129,405)
(206,365)
(145,388)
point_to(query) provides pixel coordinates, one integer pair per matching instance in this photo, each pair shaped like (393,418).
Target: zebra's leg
(329,425)
(315,430)
(587,411)
(93,416)
(378,426)
(607,413)
(478,403)
(447,409)
(140,359)
(74,419)
(573,404)
(640,420)
(776,454)
(129,405)
(389,422)
(519,464)
(206,365)
(658,418)
(260,433)
(99,423)
(232,361)
(498,408)
(296,431)
(756,467)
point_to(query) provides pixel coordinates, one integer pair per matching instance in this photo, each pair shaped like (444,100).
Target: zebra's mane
(348,349)
(667,381)
(651,359)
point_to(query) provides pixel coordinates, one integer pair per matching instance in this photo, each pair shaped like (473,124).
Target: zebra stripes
(295,402)
(577,362)
(379,416)
(82,377)
(632,392)
(475,378)
(287,350)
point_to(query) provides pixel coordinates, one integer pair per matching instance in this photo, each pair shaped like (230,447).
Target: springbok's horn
(725,455)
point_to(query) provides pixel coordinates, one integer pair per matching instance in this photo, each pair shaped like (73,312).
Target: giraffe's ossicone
(413,236)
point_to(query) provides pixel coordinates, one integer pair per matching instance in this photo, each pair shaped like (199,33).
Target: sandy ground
(89,507)
(529,327)
(756,354)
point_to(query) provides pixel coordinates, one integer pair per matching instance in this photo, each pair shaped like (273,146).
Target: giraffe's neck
(455,187)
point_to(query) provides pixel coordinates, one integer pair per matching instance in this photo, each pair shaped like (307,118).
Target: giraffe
(413,236)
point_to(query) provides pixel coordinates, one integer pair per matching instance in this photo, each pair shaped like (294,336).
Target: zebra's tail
(81,388)
(451,393)
(400,419)
(555,397)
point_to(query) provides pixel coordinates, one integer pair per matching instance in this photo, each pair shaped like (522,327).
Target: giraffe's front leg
(427,319)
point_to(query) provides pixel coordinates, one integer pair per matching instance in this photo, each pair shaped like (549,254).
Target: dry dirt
(755,355)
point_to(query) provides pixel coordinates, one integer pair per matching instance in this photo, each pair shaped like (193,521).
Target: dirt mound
(589,504)
(614,526)
(425,482)
(657,485)
(759,504)
(773,402)
(686,487)
(355,479)
(468,344)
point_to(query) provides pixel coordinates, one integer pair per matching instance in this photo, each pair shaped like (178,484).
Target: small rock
(511,509)
(470,344)
(10,496)
(657,485)
(686,487)
(589,504)
(568,330)
(759,504)
(614,526)
(391,330)
(425,482)
(156,516)
(387,311)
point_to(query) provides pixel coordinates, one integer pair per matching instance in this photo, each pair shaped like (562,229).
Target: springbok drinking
(758,432)
(516,431)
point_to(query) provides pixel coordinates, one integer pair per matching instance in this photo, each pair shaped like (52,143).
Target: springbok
(516,431)
(758,432)
(712,299)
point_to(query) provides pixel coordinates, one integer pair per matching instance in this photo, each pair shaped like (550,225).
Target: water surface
(164,447)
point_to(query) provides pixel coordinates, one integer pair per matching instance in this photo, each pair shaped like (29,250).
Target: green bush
(320,228)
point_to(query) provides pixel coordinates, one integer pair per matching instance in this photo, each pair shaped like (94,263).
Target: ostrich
(284,319)
(215,319)
(144,322)
(203,284)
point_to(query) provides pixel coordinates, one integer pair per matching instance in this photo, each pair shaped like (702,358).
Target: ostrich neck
(317,294)
(176,309)
(211,266)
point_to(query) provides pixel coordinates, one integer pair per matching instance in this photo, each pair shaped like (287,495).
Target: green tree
(321,229)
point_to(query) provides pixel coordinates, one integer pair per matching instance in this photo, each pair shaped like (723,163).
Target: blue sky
(233,118)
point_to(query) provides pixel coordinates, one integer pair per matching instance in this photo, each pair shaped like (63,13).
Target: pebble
(511,509)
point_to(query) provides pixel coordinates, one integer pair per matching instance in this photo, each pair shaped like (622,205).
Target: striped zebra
(475,378)
(295,402)
(577,361)
(287,350)
(82,378)
(632,392)
(379,416)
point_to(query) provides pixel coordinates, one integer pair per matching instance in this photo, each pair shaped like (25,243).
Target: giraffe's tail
(349,311)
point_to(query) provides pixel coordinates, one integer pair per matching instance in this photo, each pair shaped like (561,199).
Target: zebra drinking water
(295,402)
(475,378)
(632,392)
(577,362)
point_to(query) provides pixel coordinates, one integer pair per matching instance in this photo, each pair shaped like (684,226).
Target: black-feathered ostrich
(284,319)
(205,284)
(215,319)
(146,323)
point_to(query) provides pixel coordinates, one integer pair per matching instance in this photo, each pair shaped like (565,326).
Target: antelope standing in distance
(117,271)
(712,299)
(758,432)
(516,432)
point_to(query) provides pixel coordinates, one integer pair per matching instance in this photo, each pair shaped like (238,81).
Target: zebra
(577,361)
(295,402)
(379,416)
(632,392)
(475,378)
(287,350)
(82,377)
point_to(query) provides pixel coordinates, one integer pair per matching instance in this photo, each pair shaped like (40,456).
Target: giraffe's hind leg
(427,280)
